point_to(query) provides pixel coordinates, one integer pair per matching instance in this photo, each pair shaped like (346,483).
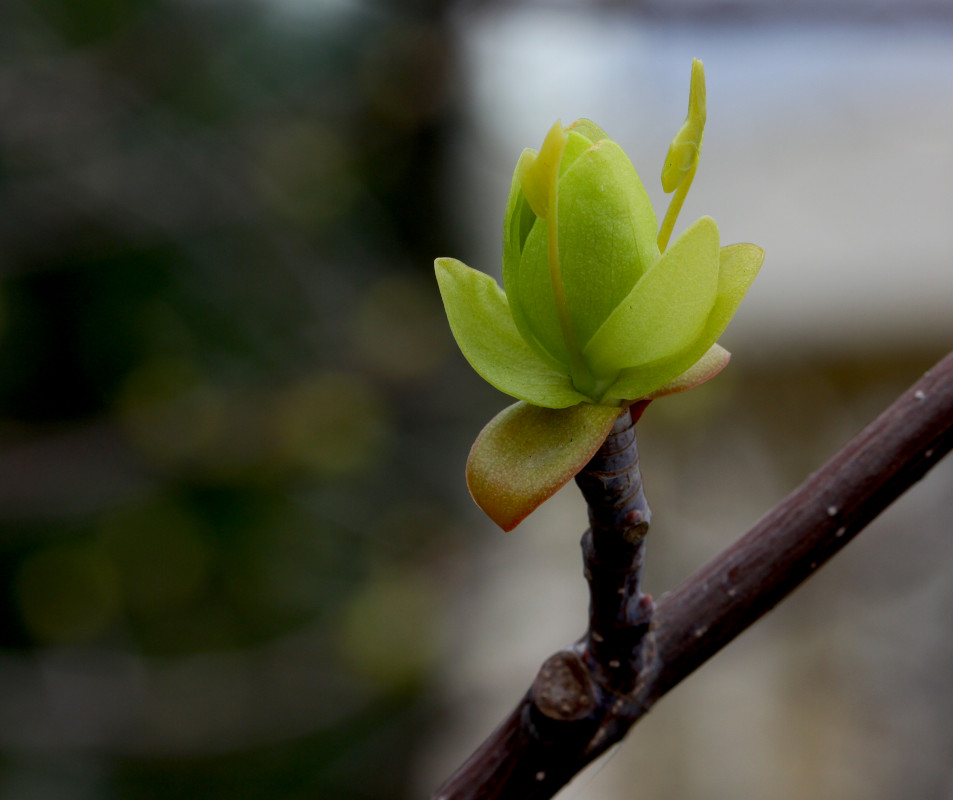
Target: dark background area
(226,410)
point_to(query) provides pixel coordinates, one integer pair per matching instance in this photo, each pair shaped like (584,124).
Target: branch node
(563,689)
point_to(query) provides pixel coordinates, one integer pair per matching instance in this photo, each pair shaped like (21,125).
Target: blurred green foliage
(225,399)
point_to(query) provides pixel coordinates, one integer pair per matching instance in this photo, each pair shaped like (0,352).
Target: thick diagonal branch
(807,528)
(532,754)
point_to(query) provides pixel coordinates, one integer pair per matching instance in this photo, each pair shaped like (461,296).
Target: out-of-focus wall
(828,143)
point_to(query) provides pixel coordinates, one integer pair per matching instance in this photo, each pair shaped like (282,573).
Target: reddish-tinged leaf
(526,454)
(706,368)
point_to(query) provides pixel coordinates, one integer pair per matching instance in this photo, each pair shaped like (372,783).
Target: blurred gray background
(237,556)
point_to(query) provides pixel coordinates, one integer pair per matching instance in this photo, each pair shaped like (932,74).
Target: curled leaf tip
(697,100)
(538,178)
(684,151)
(681,162)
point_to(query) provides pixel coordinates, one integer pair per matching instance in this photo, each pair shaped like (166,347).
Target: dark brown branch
(613,550)
(579,704)
(573,713)
(813,523)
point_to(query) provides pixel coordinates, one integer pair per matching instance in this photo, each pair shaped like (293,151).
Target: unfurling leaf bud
(598,311)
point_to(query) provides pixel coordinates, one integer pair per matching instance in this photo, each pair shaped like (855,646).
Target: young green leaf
(666,310)
(606,234)
(484,329)
(739,265)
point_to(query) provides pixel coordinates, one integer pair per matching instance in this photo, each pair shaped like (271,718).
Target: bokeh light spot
(160,555)
(303,172)
(388,630)
(331,423)
(171,412)
(67,594)
(400,329)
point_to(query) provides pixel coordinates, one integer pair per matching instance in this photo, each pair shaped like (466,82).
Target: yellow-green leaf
(666,310)
(487,336)
(739,266)
(538,177)
(607,234)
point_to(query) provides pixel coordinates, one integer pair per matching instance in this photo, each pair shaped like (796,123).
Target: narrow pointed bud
(684,151)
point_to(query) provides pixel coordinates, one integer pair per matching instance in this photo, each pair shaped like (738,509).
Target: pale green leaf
(525,454)
(739,267)
(527,271)
(576,145)
(533,286)
(607,234)
(518,223)
(519,217)
(666,310)
(486,334)
(740,264)
(538,178)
